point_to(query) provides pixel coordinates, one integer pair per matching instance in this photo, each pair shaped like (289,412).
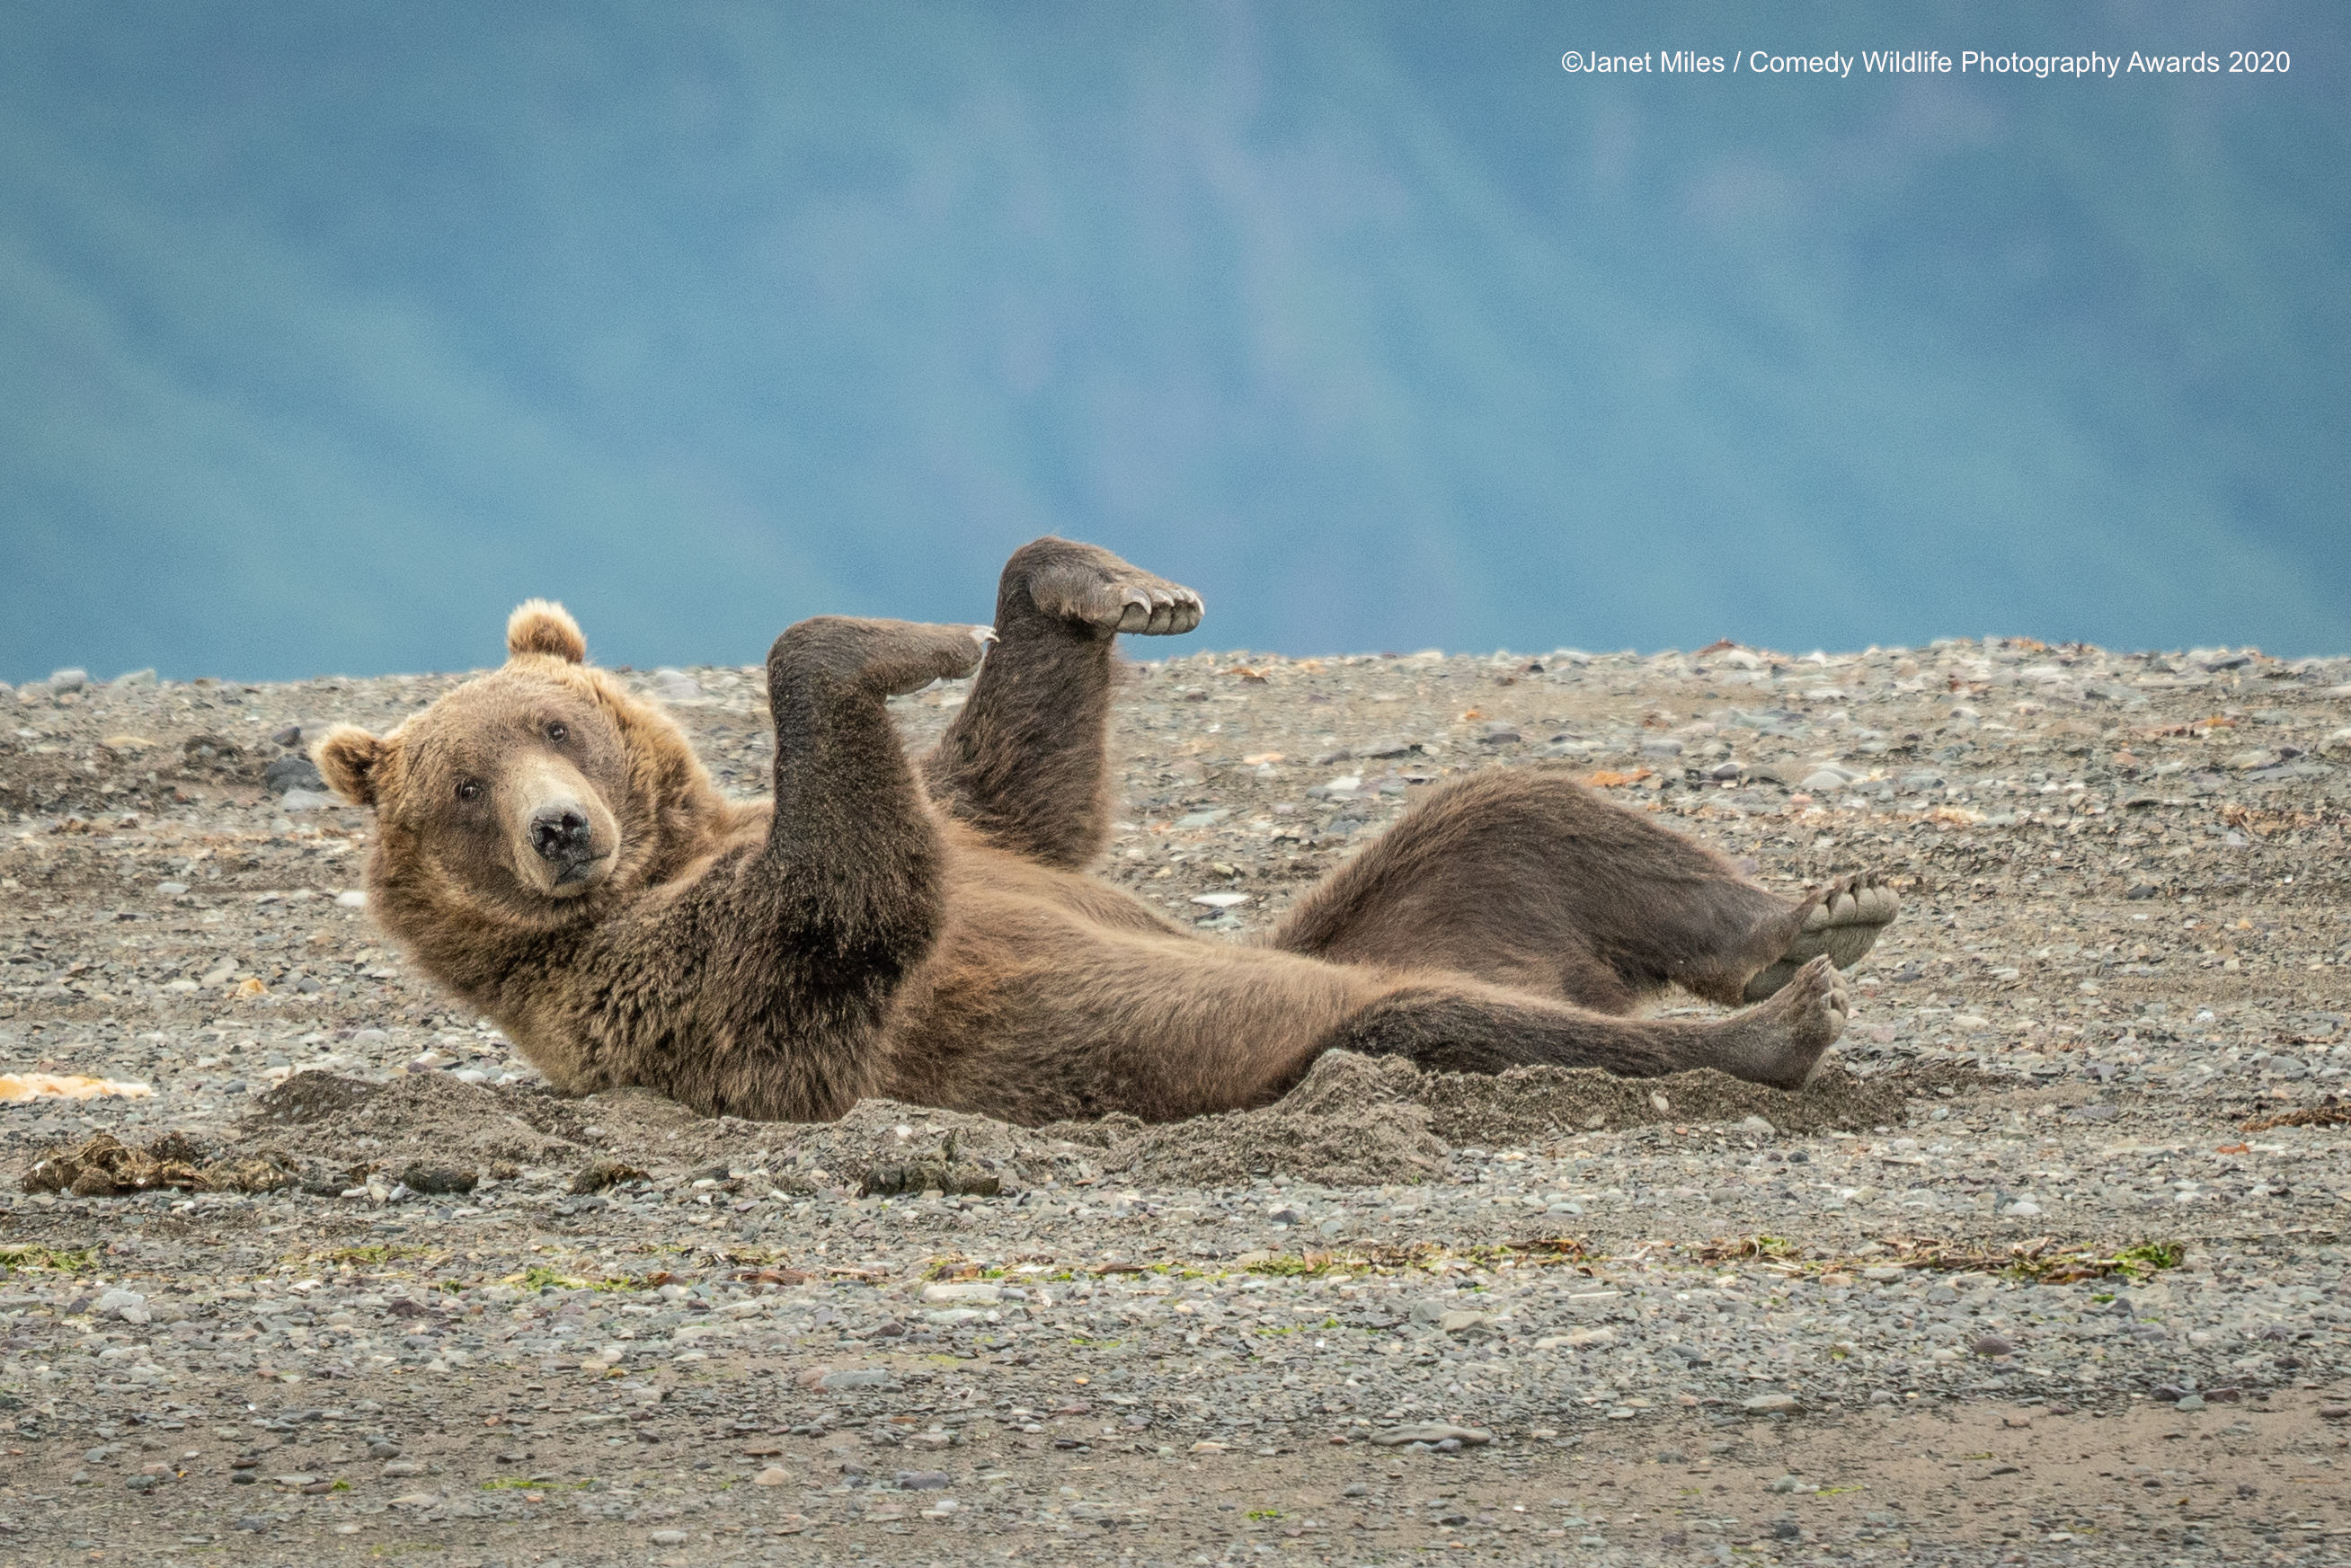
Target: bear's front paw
(891,657)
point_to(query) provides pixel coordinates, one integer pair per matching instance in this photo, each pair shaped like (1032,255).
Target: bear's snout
(562,839)
(562,834)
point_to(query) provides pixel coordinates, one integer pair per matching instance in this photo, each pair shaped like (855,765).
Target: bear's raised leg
(1842,921)
(1525,879)
(764,986)
(1450,1029)
(1025,761)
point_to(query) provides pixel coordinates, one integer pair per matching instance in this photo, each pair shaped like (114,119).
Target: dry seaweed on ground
(2328,1113)
(107,1167)
(2042,1260)
(1427,1257)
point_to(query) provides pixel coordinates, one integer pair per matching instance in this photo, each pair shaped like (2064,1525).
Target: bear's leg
(763,988)
(1025,761)
(852,876)
(1525,878)
(1444,1030)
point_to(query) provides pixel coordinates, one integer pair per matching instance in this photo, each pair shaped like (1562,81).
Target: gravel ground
(2021,1279)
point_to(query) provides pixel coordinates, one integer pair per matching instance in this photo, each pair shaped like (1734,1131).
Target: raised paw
(1089,585)
(885,657)
(1843,922)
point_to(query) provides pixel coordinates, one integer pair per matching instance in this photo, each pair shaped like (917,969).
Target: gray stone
(132,680)
(1432,1433)
(1772,1404)
(64,681)
(293,771)
(856,1377)
(676,686)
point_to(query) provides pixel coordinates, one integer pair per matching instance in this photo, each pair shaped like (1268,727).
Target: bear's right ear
(541,626)
(347,756)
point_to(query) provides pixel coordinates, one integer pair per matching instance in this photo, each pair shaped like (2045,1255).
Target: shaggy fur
(549,849)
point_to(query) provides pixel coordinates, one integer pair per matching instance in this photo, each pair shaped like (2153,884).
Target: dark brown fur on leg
(1526,879)
(764,987)
(1450,1029)
(1026,761)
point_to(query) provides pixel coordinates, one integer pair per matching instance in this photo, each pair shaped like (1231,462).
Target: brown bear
(548,847)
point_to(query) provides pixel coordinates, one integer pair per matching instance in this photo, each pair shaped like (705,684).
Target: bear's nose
(560,832)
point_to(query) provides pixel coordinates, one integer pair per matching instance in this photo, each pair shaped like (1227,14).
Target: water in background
(331,331)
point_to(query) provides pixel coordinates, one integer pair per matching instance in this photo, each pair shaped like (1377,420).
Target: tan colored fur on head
(543,626)
(347,756)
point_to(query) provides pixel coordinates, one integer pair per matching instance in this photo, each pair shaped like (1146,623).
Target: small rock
(1432,1433)
(1755,1127)
(964,1291)
(923,1481)
(773,1476)
(1992,1344)
(676,686)
(668,1538)
(295,770)
(1461,1321)
(855,1378)
(1822,779)
(2190,1402)
(63,681)
(1772,1404)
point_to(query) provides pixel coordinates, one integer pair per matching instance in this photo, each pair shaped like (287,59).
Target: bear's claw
(1111,596)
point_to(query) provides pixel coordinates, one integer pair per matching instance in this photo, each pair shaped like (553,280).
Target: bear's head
(529,796)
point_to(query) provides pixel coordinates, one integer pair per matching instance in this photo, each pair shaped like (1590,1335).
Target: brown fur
(549,848)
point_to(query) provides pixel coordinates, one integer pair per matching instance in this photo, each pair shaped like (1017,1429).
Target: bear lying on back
(548,847)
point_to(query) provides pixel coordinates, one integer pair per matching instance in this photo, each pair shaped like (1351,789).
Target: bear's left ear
(347,756)
(541,626)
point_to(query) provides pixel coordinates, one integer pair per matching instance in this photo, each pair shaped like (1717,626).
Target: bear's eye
(469,790)
(559,732)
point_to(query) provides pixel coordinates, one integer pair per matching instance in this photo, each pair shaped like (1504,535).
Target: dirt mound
(1354,1122)
(1527,1103)
(425,1117)
(882,1147)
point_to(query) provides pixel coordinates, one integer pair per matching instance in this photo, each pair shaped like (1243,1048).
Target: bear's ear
(541,626)
(347,756)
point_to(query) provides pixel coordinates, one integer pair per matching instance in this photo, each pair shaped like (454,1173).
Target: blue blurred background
(331,331)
